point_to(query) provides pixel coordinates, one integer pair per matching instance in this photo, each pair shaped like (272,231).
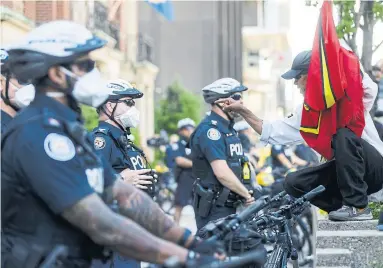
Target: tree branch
(377,46)
(357,16)
(348,42)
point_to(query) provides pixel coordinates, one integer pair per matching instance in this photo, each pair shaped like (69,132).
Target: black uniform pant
(216,212)
(356,172)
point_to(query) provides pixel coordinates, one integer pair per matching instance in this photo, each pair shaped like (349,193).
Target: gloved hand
(207,247)
(291,170)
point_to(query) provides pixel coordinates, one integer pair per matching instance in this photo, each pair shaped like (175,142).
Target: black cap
(300,65)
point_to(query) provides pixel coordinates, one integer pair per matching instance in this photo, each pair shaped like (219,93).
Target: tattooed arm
(107,228)
(139,207)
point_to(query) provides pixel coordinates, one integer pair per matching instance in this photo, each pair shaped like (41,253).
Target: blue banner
(164,7)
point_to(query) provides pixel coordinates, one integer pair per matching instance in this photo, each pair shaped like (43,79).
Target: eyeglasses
(236,96)
(298,77)
(85,65)
(129,102)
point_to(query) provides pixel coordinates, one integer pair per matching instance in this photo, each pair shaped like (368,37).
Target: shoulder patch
(213,134)
(95,179)
(59,147)
(187,151)
(174,146)
(99,143)
(52,122)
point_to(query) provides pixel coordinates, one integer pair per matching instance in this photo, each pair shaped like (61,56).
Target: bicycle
(282,220)
(165,192)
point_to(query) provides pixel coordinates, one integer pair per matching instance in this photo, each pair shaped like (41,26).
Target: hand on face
(231,105)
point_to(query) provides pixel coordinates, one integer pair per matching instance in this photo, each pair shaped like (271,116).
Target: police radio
(247,179)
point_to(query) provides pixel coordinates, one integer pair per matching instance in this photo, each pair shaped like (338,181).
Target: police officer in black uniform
(111,137)
(54,188)
(183,170)
(217,156)
(111,140)
(13,95)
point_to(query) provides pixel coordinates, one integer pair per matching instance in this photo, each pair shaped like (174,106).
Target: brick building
(116,21)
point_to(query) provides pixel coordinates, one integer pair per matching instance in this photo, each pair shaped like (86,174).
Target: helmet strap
(6,97)
(231,119)
(111,117)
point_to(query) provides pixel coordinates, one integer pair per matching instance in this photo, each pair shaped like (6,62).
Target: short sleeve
(276,150)
(178,151)
(285,131)
(212,144)
(110,175)
(55,171)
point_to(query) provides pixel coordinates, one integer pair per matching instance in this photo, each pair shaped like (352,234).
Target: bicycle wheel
(165,200)
(303,243)
(275,260)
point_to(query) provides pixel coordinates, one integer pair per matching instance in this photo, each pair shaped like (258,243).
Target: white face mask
(24,96)
(130,118)
(89,89)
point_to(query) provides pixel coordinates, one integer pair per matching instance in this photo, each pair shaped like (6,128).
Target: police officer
(217,155)
(13,95)
(110,139)
(54,188)
(183,171)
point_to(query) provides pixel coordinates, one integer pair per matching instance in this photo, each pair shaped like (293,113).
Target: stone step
(333,267)
(327,225)
(366,245)
(333,257)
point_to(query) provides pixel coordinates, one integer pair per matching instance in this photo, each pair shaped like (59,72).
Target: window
(253,58)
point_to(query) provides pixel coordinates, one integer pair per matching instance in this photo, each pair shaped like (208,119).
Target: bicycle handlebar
(245,215)
(56,253)
(257,257)
(255,208)
(314,192)
(279,215)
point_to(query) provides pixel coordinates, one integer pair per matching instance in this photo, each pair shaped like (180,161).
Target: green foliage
(376,208)
(90,116)
(137,139)
(179,104)
(346,24)
(377,10)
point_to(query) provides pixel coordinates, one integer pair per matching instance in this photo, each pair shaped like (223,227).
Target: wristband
(184,238)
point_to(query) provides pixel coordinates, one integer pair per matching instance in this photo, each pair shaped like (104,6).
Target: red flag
(326,80)
(334,91)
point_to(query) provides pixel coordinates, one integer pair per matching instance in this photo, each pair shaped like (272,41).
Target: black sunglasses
(129,102)
(236,96)
(85,65)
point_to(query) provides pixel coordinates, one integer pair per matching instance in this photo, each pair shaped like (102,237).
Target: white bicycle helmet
(241,125)
(186,122)
(53,43)
(119,88)
(222,88)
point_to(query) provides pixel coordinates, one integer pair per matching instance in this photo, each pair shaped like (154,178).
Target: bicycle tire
(275,258)
(305,257)
(307,235)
